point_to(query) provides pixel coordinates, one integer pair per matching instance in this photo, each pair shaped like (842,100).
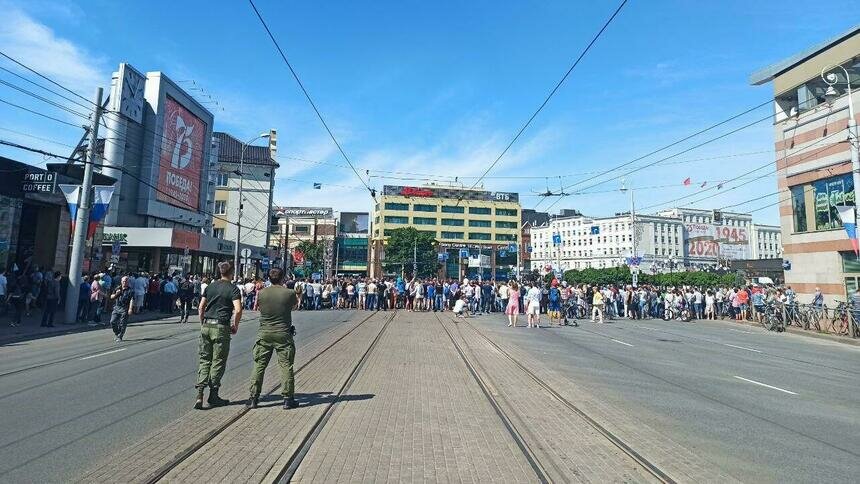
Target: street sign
(595,230)
(503,253)
(464,253)
(529,249)
(556,239)
(265,263)
(442,256)
(245,261)
(316,276)
(633,261)
(246,253)
(512,248)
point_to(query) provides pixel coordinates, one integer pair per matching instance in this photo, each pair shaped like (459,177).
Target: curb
(64,329)
(801,332)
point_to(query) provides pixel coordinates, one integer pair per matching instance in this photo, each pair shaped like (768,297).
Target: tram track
(540,467)
(301,451)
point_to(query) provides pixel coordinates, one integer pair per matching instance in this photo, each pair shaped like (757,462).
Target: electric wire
(310,100)
(551,94)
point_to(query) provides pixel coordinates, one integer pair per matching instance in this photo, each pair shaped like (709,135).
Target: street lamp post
(632,225)
(285,238)
(832,79)
(239,213)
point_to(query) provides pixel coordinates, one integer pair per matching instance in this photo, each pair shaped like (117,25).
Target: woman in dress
(513,309)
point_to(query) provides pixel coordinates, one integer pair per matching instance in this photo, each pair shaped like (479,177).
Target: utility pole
(79,241)
(415,258)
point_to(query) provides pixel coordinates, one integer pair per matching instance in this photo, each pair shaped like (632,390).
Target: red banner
(181,156)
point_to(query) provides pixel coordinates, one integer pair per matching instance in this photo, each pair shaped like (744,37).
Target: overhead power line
(310,100)
(551,93)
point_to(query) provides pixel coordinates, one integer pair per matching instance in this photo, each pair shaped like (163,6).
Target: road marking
(620,342)
(103,354)
(740,331)
(765,385)
(742,348)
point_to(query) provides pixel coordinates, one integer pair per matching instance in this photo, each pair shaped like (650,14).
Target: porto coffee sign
(39,182)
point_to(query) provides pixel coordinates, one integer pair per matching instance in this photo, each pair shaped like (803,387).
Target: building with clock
(158,144)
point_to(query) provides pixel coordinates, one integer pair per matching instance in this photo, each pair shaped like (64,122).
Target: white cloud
(37,45)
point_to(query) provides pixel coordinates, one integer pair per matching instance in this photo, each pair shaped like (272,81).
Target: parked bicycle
(682,314)
(841,319)
(772,320)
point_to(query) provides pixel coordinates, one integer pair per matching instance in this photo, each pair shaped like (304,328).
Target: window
(480,223)
(452,222)
(506,237)
(814,205)
(396,220)
(223,179)
(301,229)
(798,202)
(423,221)
(506,225)
(220,207)
(506,212)
(387,232)
(452,209)
(396,206)
(418,207)
(218,233)
(479,210)
(479,236)
(451,235)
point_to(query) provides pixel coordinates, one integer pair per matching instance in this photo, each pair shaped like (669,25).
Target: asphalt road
(68,401)
(763,406)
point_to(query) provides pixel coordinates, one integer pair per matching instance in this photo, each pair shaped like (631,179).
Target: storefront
(160,250)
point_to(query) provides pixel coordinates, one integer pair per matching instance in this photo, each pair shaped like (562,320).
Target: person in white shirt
(362,293)
(533,297)
(460,308)
(139,285)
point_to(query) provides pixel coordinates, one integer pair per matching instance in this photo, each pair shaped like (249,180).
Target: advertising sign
(354,222)
(700,240)
(733,242)
(321,212)
(42,182)
(181,160)
(445,192)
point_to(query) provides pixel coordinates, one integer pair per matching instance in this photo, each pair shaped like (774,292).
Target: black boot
(252,402)
(198,405)
(289,403)
(214,400)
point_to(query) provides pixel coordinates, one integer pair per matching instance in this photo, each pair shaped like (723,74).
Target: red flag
(298,256)
(687,181)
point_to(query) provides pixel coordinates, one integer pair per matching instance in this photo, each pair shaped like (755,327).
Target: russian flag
(101,200)
(849,221)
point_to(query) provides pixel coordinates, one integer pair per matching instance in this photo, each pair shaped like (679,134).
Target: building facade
(813,165)
(587,242)
(257,174)
(713,237)
(765,242)
(290,226)
(352,250)
(159,146)
(484,224)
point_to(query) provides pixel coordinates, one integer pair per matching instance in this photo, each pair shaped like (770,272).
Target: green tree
(621,275)
(402,245)
(314,253)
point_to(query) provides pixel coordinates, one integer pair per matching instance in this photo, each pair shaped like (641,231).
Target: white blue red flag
(849,221)
(101,201)
(73,196)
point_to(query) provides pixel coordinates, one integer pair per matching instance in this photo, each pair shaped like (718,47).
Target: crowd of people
(33,289)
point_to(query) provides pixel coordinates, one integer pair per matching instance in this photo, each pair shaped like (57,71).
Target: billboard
(310,212)
(181,160)
(706,240)
(354,222)
(446,192)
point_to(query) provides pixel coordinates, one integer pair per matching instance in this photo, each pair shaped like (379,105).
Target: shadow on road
(311,399)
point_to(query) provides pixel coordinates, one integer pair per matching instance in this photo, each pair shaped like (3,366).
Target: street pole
(415,258)
(83,217)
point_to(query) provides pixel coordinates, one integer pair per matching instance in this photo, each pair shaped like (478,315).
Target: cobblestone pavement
(428,420)
(414,412)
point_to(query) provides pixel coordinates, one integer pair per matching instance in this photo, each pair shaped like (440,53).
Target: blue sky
(441,87)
